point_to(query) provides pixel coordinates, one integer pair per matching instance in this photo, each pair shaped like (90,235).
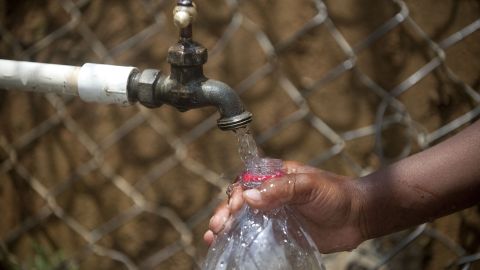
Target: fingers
(208,237)
(219,218)
(290,189)
(222,213)
(296,167)
(236,200)
(217,222)
(225,209)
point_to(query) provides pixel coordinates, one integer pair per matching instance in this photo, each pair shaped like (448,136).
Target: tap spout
(228,103)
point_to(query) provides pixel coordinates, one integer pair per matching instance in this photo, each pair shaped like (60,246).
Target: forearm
(425,186)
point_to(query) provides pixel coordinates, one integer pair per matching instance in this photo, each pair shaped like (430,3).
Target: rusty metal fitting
(187,53)
(142,88)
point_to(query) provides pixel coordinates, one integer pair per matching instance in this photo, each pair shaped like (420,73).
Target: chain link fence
(347,86)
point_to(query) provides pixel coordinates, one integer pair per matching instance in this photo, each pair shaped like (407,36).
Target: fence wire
(347,86)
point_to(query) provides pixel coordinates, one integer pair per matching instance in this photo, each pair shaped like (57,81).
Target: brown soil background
(344,104)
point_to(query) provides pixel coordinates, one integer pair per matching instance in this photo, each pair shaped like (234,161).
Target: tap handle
(183,15)
(186,3)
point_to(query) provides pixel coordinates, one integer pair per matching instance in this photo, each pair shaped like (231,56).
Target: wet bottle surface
(254,239)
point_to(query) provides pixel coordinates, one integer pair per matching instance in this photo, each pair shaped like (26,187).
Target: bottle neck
(261,170)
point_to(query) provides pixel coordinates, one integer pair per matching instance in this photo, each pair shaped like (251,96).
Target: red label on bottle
(251,177)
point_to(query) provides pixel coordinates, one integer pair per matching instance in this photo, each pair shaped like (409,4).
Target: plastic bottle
(254,239)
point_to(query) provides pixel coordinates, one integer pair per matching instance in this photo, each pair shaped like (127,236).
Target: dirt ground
(345,104)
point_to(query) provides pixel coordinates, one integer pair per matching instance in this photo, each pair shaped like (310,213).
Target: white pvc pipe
(104,83)
(92,82)
(45,78)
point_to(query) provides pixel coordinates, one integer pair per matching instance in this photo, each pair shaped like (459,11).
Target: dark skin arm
(425,186)
(340,212)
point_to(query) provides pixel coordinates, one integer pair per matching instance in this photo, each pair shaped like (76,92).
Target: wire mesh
(344,85)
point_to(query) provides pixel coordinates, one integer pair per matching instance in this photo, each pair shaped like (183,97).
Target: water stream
(247,148)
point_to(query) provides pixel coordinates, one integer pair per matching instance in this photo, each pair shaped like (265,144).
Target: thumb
(289,189)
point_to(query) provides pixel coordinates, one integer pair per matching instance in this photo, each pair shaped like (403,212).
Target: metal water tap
(186,87)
